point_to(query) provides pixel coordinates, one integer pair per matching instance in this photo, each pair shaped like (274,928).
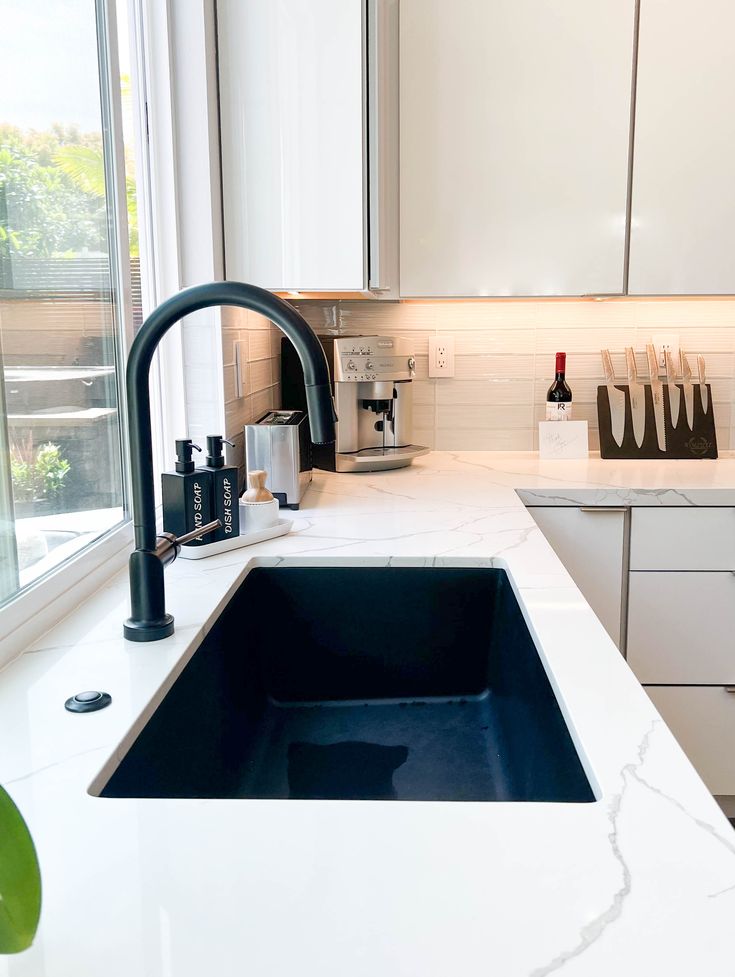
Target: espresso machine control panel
(365,360)
(373,397)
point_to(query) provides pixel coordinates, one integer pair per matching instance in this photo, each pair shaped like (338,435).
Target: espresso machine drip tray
(377,459)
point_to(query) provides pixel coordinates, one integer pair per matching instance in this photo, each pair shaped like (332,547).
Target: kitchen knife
(686,373)
(657,392)
(702,383)
(616,399)
(637,397)
(674,392)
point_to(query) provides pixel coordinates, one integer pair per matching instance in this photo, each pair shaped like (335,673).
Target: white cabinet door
(703,721)
(591,545)
(681,628)
(514,133)
(292,105)
(683,226)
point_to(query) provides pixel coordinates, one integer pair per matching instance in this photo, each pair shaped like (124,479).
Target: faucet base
(148,630)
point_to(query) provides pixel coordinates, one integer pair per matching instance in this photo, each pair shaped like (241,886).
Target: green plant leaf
(85,165)
(20,880)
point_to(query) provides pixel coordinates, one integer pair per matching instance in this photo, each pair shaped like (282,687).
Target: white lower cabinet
(590,542)
(681,628)
(703,721)
(666,595)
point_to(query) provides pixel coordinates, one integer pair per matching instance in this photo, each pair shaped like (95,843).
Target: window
(69,280)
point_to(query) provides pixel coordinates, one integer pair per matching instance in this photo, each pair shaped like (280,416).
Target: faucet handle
(168,545)
(204,530)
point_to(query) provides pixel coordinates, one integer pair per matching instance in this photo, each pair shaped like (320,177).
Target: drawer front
(682,538)
(681,628)
(703,721)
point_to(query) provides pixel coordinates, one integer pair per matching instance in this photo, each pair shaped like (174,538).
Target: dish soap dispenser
(187,495)
(224,490)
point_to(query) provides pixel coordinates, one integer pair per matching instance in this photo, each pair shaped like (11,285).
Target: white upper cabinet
(514,144)
(683,227)
(292,107)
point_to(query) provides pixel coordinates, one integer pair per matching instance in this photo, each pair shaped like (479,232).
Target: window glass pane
(61,480)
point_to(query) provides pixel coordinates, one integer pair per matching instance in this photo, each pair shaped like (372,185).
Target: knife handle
(630,364)
(700,369)
(670,368)
(652,361)
(607,367)
(686,370)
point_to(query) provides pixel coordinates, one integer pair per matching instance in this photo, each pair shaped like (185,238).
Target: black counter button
(88,701)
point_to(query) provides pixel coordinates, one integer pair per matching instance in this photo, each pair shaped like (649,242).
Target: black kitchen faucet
(148,620)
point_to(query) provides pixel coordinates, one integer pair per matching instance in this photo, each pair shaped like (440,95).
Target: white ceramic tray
(244,539)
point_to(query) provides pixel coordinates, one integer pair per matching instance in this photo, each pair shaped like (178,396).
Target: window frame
(174,77)
(38,606)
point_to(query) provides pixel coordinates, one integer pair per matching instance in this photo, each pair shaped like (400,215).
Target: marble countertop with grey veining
(641,881)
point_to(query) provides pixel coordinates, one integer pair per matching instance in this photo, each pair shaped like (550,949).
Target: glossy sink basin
(381,683)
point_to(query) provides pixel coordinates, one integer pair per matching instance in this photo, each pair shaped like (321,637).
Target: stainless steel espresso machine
(373,398)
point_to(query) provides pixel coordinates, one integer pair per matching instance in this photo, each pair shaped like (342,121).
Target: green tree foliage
(85,166)
(52,194)
(44,212)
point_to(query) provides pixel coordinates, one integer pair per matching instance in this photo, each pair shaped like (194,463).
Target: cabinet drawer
(679,538)
(703,721)
(681,628)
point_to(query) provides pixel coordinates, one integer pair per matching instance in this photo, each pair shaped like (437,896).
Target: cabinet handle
(730,689)
(606,508)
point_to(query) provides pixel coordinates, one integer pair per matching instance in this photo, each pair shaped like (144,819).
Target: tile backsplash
(504,359)
(261,367)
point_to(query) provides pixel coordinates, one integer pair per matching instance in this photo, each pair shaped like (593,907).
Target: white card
(563,439)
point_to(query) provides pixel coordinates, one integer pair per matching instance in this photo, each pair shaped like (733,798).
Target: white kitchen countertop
(640,882)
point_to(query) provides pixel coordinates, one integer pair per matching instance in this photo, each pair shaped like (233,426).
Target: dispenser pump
(184,464)
(215,456)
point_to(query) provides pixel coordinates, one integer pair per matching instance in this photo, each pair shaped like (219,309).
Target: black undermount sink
(380,683)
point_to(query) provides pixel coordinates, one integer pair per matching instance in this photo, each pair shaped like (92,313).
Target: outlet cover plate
(241,361)
(441,356)
(661,342)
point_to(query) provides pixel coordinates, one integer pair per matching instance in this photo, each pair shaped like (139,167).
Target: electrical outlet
(441,356)
(663,341)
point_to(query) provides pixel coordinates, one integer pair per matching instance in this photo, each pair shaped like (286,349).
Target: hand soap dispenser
(225,505)
(187,495)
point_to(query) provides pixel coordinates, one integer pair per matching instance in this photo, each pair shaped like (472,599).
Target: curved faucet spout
(149,620)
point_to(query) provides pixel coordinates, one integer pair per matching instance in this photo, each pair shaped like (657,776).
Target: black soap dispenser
(225,504)
(187,495)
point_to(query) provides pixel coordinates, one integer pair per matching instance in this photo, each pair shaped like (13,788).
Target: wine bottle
(559,396)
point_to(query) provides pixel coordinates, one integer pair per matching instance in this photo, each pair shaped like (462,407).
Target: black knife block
(682,442)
